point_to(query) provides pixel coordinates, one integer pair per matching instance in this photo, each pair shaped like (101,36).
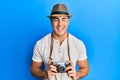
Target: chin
(62,34)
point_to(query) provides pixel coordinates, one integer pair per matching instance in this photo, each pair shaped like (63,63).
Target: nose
(59,22)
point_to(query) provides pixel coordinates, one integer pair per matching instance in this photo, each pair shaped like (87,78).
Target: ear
(68,20)
(51,20)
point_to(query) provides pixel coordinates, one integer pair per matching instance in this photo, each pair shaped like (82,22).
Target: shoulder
(75,39)
(78,43)
(44,40)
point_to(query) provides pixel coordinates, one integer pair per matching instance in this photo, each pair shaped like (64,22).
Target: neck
(60,38)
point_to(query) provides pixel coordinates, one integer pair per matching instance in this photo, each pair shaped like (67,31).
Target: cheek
(66,25)
(54,24)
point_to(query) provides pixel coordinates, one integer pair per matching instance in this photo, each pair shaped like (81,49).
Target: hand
(51,70)
(71,71)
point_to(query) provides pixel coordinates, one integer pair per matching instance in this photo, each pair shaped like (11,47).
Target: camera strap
(51,46)
(51,49)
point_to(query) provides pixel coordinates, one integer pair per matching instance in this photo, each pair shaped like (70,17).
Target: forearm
(82,72)
(38,73)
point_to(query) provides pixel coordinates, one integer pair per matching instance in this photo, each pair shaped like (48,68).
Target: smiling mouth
(59,28)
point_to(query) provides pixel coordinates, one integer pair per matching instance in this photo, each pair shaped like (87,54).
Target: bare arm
(36,71)
(84,69)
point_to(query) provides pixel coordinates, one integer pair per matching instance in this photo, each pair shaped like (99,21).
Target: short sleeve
(37,53)
(81,51)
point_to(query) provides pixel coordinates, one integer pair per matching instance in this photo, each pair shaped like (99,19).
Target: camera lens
(61,68)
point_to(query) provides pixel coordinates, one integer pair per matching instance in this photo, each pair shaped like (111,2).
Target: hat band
(60,12)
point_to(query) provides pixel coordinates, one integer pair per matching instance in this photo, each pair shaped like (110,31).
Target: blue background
(23,22)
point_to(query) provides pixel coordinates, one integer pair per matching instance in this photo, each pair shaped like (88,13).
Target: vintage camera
(61,66)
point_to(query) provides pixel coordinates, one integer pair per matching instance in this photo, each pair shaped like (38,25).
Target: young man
(59,48)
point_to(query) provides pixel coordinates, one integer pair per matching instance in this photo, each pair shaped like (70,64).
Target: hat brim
(70,15)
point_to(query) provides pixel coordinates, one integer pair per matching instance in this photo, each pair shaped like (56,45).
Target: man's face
(60,24)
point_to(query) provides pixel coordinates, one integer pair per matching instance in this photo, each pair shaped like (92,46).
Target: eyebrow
(54,18)
(58,18)
(64,18)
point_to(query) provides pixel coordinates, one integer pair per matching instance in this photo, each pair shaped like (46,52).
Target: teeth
(59,28)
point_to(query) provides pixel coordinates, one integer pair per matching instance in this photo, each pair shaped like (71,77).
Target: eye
(54,19)
(64,19)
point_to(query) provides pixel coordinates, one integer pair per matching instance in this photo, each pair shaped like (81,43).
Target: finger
(71,63)
(71,75)
(69,68)
(50,61)
(71,72)
(50,74)
(52,66)
(53,74)
(53,70)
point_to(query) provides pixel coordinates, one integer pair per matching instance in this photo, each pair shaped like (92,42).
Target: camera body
(61,66)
